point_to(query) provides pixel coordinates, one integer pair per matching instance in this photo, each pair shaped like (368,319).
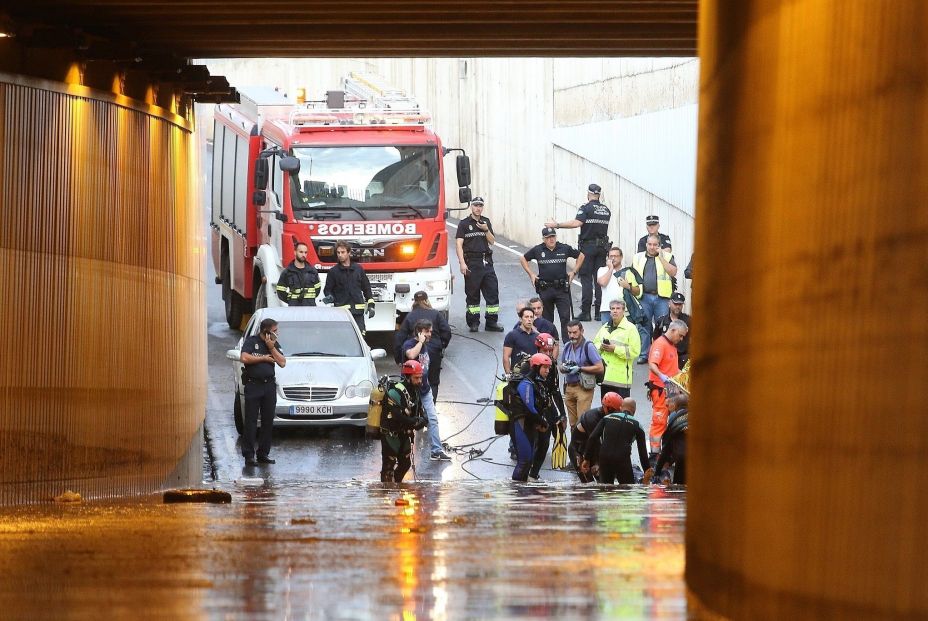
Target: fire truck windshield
(365,182)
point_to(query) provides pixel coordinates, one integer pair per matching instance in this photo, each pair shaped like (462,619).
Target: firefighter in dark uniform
(593,221)
(347,286)
(299,283)
(474,238)
(260,352)
(402,415)
(553,281)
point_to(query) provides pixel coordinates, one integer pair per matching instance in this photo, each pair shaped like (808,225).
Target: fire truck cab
(363,166)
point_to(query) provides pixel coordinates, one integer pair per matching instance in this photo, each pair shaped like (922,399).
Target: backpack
(507,399)
(632,305)
(375,403)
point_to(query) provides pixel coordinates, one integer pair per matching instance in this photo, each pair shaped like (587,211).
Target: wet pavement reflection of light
(354,550)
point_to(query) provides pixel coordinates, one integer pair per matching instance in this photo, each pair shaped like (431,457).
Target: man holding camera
(260,352)
(553,280)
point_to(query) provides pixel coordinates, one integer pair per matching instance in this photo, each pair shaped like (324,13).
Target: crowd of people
(556,367)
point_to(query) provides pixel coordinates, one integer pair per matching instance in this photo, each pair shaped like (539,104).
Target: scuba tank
(375,404)
(501,420)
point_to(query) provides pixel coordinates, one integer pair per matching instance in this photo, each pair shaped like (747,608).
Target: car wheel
(238,416)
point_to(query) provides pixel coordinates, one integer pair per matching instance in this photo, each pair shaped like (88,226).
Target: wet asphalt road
(317,536)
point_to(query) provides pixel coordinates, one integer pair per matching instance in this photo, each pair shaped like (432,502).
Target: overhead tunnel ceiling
(362,28)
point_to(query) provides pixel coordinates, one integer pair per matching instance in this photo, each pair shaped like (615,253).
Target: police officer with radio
(593,220)
(474,238)
(260,352)
(553,280)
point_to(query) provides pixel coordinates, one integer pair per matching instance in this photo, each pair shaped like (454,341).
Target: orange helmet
(540,360)
(612,402)
(412,367)
(544,341)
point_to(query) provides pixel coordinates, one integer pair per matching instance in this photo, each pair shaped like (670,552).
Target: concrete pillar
(810,436)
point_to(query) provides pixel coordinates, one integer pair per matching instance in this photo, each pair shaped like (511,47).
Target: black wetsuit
(402,413)
(611,443)
(673,446)
(552,415)
(578,439)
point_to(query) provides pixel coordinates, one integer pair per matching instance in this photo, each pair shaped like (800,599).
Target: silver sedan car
(330,369)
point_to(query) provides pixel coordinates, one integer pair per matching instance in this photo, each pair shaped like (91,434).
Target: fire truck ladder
(376,93)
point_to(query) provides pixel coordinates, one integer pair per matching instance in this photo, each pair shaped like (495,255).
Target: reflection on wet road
(354,550)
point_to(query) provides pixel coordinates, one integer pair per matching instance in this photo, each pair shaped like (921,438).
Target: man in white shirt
(615,288)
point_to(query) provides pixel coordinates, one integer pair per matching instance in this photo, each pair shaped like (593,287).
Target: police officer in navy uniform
(553,280)
(593,221)
(260,352)
(653,224)
(474,238)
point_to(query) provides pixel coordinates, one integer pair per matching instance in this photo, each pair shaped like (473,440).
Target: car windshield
(365,182)
(319,338)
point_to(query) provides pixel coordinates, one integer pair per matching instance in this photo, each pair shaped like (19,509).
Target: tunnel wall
(809,439)
(102,370)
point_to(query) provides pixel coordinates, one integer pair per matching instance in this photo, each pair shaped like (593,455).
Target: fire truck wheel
(235,305)
(237,415)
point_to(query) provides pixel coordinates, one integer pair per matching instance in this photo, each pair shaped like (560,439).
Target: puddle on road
(354,550)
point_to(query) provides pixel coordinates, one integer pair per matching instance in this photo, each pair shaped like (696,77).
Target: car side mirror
(234,354)
(464,195)
(377,354)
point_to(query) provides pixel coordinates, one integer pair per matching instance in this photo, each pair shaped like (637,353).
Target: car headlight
(437,286)
(362,390)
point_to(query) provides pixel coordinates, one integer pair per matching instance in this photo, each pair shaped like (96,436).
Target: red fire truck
(362,166)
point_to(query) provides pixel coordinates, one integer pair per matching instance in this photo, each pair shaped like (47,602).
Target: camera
(606,342)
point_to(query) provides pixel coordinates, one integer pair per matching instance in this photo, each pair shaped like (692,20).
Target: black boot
(584,315)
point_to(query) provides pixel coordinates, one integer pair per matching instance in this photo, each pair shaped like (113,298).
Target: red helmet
(540,360)
(544,340)
(412,367)
(612,402)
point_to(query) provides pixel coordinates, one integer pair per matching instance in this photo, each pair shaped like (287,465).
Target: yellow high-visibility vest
(664,286)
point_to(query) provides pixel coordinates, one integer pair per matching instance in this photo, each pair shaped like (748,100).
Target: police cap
(652,220)
(548,232)
(477,200)
(677,298)
(594,189)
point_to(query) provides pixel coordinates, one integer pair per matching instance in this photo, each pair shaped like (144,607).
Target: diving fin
(559,451)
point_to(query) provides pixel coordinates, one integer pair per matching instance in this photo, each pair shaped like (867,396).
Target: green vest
(620,363)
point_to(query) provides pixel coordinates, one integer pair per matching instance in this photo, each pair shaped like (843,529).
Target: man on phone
(619,344)
(260,352)
(619,283)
